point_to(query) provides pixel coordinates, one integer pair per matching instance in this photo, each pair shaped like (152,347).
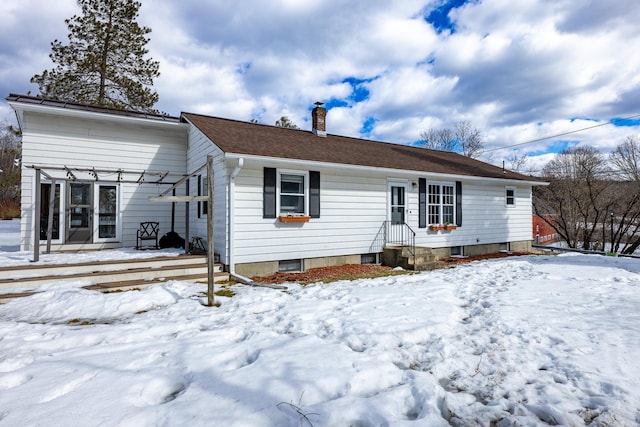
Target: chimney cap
(318,103)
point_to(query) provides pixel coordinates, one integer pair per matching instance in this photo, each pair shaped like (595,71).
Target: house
(543,232)
(283,199)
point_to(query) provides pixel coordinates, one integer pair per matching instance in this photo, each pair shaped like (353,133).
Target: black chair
(148,231)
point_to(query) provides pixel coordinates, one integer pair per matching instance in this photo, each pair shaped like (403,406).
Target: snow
(522,341)
(10,254)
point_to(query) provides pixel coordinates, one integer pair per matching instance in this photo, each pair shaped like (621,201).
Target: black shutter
(199,192)
(269,193)
(205,204)
(458,203)
(314,194)
(422,203)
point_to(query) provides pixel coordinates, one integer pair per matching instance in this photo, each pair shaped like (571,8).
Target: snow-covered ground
(10,254)
(523,341)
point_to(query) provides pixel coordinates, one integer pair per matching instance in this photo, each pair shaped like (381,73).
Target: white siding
(353,209)
(199,148)
(485,217)
(55,141)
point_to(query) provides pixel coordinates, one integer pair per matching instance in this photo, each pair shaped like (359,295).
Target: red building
(543,233)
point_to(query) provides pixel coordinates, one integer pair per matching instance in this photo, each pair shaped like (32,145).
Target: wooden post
(210,249)
(36,220)
(52,201)
(187,238)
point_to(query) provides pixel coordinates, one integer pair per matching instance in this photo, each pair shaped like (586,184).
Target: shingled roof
(244,138)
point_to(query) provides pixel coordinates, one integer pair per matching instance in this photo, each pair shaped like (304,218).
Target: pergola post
(36,219)
(210,250)
(187,238)
(52,200)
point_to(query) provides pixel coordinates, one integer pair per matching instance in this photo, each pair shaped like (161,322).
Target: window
(434,204)
(289,265)
(292,193)
(510,196)
(105,216)
(504,247)
(457,251)
(45,192)
(107,205)
(202,191)
(371,258)
(441,204)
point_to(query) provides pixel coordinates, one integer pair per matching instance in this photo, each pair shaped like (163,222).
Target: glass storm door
(79,212)
(397,211)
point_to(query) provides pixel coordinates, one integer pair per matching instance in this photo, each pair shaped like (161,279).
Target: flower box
(441,227)
(293,218)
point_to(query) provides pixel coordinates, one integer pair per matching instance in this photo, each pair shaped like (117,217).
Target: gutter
(400,173)
(231,213)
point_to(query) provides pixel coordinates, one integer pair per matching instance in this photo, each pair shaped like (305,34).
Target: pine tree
(104,63)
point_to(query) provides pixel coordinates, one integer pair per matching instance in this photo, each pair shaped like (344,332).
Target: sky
(521,341)
(517,71)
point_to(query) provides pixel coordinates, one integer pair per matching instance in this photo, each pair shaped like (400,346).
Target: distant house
(543,232)
(284,199)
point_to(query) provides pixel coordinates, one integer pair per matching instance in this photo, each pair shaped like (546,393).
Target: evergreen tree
(10,152)
(104,63)
(286,122)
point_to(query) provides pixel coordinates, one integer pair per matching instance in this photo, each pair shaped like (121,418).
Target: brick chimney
(318,120)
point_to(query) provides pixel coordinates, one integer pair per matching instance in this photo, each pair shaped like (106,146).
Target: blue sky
(517,70)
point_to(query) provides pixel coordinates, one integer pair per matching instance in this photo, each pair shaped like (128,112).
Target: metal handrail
(400,234)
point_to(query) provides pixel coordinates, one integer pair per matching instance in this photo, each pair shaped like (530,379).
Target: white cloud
(516,70)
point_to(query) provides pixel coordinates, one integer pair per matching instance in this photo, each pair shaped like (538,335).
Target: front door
(79,212)
(397,211)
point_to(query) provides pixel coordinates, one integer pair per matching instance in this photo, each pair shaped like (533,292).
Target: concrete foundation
(485,249)
(270,267)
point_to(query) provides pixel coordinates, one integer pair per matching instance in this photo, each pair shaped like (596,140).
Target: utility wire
(610,122)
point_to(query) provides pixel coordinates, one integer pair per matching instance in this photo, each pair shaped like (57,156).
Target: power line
(610,122)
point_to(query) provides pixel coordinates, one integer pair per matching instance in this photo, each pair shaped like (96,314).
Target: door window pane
(397,205)
(80,194)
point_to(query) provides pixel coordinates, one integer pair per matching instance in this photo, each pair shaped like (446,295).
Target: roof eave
(396,172)
(20,107)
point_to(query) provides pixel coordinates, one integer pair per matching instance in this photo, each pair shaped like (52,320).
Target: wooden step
(31,270)
(139,271)
(127,285)
(108,276)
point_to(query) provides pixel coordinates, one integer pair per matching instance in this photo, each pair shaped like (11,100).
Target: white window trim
(96,213)
(506,198)
(279,173)
(441,210)
(398,182)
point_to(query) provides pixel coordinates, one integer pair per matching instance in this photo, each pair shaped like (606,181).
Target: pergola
(131,177)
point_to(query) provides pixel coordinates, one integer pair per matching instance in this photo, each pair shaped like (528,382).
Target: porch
(107,276)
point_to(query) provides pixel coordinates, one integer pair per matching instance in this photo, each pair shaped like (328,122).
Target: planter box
(294,218)
(448,227)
